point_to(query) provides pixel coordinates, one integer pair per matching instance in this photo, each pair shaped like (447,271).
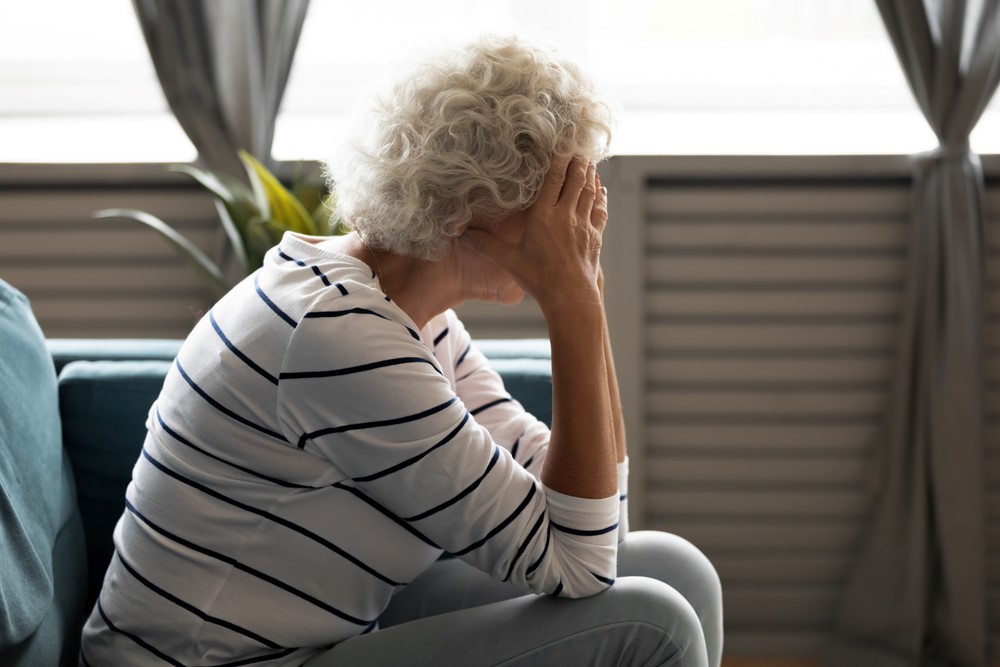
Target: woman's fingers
(552,186)
(588,194)
(599,214)
(576,181)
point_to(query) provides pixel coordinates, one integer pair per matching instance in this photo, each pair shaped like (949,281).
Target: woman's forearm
(614,395)
(582,453)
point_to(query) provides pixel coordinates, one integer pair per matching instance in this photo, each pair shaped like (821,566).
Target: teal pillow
(36,486)
(529,381)
(104,406)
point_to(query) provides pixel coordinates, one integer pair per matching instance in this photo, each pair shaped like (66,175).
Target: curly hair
(469,132)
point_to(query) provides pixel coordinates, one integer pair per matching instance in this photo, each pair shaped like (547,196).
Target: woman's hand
(557,259)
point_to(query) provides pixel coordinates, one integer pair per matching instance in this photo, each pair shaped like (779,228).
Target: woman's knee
(653,605)
(673,560)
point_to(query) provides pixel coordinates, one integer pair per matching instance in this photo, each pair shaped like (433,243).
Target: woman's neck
(421,288)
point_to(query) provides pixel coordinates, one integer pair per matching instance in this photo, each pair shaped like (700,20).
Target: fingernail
(604,191)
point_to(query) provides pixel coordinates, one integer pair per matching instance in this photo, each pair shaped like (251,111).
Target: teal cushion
(530,382)
(36,488)
(515,348)
(104,406)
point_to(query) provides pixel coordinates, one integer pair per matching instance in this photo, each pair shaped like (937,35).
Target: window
(77,85)
(713,76)
(706,77)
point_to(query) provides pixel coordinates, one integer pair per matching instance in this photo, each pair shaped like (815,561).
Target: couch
(72,422)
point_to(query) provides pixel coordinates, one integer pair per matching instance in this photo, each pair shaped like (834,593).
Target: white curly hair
(468,132)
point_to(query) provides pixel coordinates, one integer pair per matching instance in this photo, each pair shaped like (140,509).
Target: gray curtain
(916,593)
(223,66)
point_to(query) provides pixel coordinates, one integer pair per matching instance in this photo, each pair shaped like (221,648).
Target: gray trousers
(664,609)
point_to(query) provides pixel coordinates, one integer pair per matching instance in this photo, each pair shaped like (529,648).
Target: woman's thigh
(639,621)
(450,584)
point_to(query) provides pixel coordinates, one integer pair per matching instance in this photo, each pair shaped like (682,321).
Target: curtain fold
(223,66)
(916,594)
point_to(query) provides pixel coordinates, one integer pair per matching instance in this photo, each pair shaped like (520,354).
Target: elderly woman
(329,430)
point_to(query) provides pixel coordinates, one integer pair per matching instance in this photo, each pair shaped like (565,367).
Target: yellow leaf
(282,206)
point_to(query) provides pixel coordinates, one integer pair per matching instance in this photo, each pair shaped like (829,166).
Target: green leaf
(225,187)
(235,238)
(274,199)
(259,241)
(205,266)
(234,195)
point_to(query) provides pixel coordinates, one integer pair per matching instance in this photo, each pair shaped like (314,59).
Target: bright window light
(705,77)
(77,85)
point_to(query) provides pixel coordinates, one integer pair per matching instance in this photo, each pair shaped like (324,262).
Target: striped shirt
(310,453)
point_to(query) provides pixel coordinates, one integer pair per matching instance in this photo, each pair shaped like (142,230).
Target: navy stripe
(321,275)
(261,658)
(290,259)
(136,638)
(357,369)
(524,545)
(343,290)
(387,512)
(623,497)
(215,325)
(538,561)
(184,441)
(83,659)
(585,533)
(605,580)
(410,461)
(272,517)
(440,336)
(558,590)
(194,610)
(466,491)
(357,311)
(386,422)
(503,524)
(315,314)
(517,443)
(461,357)
(244,568)
(223,409)
(270,304)
(467,375)
(528,462)
(491,404)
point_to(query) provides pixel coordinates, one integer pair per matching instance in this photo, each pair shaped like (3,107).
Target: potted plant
(254,218)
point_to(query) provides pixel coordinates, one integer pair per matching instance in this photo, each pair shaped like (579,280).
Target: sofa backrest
(42,556)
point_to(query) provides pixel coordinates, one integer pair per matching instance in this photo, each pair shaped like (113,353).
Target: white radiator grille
(771,307)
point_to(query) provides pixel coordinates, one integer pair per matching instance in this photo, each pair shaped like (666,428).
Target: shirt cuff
(583,516)
(623,499)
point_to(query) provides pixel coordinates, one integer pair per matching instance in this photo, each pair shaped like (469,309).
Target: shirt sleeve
(360,389)
(482,389)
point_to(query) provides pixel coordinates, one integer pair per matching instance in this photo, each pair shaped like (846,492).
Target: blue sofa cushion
(37,497)
(104,406)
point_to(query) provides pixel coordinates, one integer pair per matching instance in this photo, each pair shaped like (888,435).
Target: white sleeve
(481,389)
(360,390)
